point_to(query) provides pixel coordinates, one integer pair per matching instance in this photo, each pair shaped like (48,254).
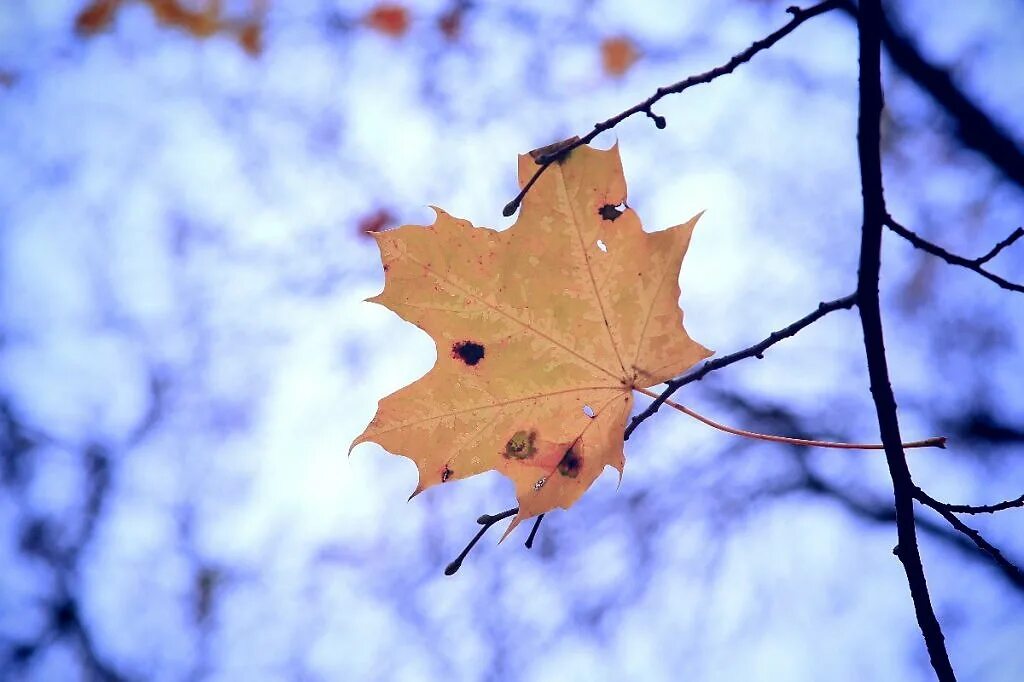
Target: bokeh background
(185,355)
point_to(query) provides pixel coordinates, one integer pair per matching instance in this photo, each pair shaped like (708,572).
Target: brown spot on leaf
(520,445)
(446,473)
(572,462)
(470,352)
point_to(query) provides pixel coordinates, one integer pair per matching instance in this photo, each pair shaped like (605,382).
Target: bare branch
(779,416)
(975,128)
(533,532)
(974,265)
(487,520)
(799,16)
(1010,569)
(869,153)
(984,508)
(755,351)
(1014,236)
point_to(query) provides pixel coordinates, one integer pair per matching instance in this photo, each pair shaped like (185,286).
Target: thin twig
(1014,236)
(755,351)
(974,264)
(533,532)
(1012,571)
(799,16)
(936,442)
(487,520)
(985,508)
(869,154)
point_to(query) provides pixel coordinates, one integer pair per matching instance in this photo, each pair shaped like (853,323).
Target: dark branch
(869,153)
(755,351)
(778,416)
(1014,236)
(533,532)
(799,16)
(487,520)
(1011,570)
(984,508)
(973,126)
(974,265)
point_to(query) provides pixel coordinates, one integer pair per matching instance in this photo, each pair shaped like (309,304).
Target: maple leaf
(542,332)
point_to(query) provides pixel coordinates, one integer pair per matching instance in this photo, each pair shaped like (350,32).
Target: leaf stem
(938,442)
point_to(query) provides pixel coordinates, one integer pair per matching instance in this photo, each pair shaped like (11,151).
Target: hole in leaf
(601,245)
(470,352)
(589,411)
(609,212)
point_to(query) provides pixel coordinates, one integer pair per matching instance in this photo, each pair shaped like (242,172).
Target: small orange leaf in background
(96,16)
(542,333)
(375,222)
(450,23)
(389,19)
(203,20)
(200,23)
(618,55)
(250,37)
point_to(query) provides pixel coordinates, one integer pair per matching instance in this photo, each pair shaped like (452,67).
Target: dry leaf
(199,19)
(389,19)
(379,220)
(542,331)
(96,16)
(250,37)
(618,55)
(450,23)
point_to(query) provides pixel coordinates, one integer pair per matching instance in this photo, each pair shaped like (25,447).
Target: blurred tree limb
(974,128)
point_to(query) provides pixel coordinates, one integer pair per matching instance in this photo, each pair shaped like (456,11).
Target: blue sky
(181,287)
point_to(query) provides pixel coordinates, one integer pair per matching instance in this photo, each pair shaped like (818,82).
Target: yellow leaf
(542,332)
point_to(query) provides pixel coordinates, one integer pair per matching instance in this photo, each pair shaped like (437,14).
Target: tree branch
(975,265)
(1011,570)
(799,16)
(777,416)
(755,351)
(486,520)
(973,126)
(869,24)
(984,508)
(1014,236)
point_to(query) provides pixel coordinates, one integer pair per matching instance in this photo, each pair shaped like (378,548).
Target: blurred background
(185,191)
